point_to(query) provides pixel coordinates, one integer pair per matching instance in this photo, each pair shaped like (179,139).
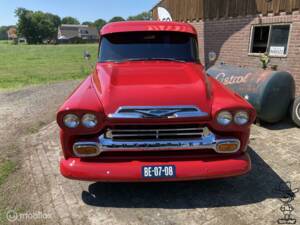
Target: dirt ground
(23,113)
(30,136)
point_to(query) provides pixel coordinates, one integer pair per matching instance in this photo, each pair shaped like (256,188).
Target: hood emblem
(141,112)
(157,112)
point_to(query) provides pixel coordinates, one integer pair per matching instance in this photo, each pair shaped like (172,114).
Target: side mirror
(86,55)
(212,56)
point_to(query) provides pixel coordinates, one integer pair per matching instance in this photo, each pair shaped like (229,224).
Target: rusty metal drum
(270,92)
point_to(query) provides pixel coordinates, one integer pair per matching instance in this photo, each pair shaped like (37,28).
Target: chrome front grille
(155,133)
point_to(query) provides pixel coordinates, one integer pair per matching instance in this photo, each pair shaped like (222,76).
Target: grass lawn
(22,65)
(5,169)
(5,42)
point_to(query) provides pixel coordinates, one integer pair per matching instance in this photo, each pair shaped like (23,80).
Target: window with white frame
(271,39)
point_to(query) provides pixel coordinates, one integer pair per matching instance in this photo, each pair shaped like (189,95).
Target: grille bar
(144,130)
(154,133)
(149,135)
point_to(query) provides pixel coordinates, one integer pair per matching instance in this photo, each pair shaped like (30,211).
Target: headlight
(241,118)
(71,120)
(89,121)
(224,118)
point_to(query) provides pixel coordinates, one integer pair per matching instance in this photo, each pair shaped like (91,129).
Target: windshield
(135,46)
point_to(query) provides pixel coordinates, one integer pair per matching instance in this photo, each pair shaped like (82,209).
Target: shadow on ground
(287,123)
(254,187)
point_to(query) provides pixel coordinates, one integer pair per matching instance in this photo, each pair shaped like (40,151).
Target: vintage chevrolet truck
(149,112)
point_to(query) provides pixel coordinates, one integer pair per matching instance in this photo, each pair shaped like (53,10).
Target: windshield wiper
(131,60)
(148,59)
(168,59)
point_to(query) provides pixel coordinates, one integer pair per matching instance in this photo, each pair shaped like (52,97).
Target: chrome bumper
(208,141)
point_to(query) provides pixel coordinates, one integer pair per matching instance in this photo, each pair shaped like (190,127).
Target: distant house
(77,34)
(12,33)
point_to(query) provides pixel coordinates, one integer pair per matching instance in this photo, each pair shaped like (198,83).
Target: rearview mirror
(212,56)
(86,55)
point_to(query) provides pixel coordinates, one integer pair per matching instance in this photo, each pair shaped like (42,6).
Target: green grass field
(4,42)
(5,169)
(22,65)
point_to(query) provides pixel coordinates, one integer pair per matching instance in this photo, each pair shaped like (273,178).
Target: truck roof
(132,26)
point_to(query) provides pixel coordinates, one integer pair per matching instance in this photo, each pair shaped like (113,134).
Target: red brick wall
(230,39)
(200,28)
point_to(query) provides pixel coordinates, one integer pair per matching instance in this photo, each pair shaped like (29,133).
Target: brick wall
(200,28)
(230,39)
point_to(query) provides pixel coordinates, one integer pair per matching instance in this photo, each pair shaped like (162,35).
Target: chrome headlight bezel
(71,121)
(89,120)
(241,118)
(224,118)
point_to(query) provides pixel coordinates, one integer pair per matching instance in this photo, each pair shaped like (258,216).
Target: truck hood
(151,84)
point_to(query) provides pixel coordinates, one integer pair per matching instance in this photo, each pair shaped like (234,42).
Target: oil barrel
(270,92)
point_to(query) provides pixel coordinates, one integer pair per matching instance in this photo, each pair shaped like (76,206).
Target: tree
(99,23)
(89,23)
(70,20)
(3,32)
(54,19)
(37,26)
(55,22)
(141,16)
(116,19)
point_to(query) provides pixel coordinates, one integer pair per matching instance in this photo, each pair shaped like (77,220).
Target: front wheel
(295,111)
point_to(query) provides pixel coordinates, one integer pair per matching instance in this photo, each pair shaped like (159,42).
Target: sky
(83,10)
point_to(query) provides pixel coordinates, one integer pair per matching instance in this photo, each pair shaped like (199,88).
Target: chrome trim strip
(141,112)
(201,143)
(208,142)
(148,146)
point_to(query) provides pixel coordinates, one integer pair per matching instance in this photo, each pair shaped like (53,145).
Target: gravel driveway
(250,199)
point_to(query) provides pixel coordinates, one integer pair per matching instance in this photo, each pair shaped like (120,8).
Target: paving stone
(248,199)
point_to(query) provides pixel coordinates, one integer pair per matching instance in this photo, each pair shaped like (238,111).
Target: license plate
(159,171)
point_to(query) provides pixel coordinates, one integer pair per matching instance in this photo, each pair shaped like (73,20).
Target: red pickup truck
(149,112)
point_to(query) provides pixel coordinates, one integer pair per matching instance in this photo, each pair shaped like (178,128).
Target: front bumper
(131,171)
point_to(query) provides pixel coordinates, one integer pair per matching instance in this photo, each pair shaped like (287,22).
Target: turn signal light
(86,150)
(230,147)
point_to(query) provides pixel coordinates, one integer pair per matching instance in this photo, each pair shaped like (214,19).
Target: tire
(296,111)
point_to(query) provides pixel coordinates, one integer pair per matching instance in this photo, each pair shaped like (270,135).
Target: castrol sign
(163,14)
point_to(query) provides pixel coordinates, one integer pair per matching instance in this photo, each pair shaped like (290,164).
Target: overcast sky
(83,10)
